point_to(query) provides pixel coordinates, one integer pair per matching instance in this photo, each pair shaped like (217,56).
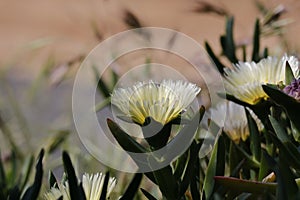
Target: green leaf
(254,137)
(290,105)
(242,186)
(289,76)
(11,177)
(129,145)
(281,134)
(125,140)
(131,20)
(181,164)
(133,187)
(209,181)
(235,161)
(166,182)
(14,193)
(256,39)
(195,181)
(227,41)
(104,187)
(52,180)
(287,187)
(265,53)
(264,168)
(26,171)
(74,189)
(220,168)
(33,191)
(290,150)
(189,172)
(2,176)
(57,140)
(214,58)
(252,162)
(101,85)
(148,195)
(187,131)
(156,134)
(233,99)
(244,53)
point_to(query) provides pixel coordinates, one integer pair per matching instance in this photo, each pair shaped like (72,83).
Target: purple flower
(293,89)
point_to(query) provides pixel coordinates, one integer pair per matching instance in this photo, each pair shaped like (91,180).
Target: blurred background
(43,42)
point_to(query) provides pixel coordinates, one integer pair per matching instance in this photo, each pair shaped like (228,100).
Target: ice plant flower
(163,101)
(92,186)
(245,80)
(293,89)
(235,124)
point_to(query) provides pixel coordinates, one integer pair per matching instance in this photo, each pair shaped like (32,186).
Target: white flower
(92,186)
(246,79)
(235,124)
(163,101)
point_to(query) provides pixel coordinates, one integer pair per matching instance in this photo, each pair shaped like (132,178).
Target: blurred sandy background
(63,29)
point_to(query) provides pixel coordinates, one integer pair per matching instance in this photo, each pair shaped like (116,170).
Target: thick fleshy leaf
(227,41)
(280,132)
(11,176)
(256,40)
(189,172)
(125,140)
(287,187)
(148,195)
(220,168)
(289,150)
(233,99)
(214,58)
(209,182)
(104,186)
(101,85)
(291,105)
(234,159)
(52,180)
(156,139)
(14,193)
(188,131)
(33,191)
(57,140)
(181,164)
(74,189)
(264,168)
(26,171)
(250,160)
(2,177)
(266,52)
(242,186)
(195,181)
(133,187)
(254,137)
(167,182)
(289,76)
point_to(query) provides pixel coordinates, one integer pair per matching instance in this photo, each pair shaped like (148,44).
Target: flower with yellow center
(245,81)
(235,124)
(92,186)
(163,101)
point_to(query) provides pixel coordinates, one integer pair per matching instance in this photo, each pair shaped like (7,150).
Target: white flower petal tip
(235,123)
(245,80)
(163,101)
(92,187)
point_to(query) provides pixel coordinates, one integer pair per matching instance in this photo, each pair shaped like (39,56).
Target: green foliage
(13,187)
